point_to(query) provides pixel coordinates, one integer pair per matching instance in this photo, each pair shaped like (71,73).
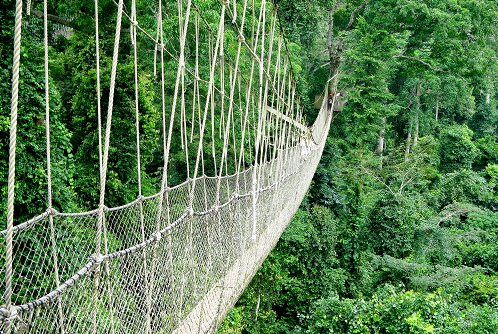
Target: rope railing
(178,259)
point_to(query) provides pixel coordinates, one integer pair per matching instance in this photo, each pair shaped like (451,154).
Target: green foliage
(286,285)
(463,186)
(395,310)
(457,150)
(370,56)
(408,174)
(488,151)
(31,187)
(492,171)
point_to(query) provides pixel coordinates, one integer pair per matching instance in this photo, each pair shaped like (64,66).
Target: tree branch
(55,19)
(378,179)
(321,66)
(354,13)
(420,61)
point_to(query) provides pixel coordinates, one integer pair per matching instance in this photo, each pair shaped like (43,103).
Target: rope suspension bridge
(175,261)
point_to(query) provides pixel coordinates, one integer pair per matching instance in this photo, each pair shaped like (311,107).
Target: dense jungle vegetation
(399,231)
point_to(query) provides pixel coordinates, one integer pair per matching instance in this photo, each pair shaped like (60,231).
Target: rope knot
(8,316)
(134,23)
(52,212)
(181,62)
(157,236)
(97,258)
(241,38)
(141,198)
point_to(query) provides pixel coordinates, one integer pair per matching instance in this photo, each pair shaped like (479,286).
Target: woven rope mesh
(187,281)
(177,260)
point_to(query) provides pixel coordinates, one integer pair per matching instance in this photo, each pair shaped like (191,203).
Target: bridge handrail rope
(142,278)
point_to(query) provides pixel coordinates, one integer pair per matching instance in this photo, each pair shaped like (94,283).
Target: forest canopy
(398,233)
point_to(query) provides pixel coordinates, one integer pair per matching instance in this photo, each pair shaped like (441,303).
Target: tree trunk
(381,140)
(335,46)
(380,145)
(416,132)
(408,141)
(417,113)
(257,305)
(332,47)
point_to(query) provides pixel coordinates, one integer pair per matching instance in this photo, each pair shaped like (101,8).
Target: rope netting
(176,260)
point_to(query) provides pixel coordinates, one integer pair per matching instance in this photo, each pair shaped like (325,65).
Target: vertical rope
(159,16)
(180,79)
(290,113)
(182,116)
(49,164)
(264,103)
(103,167)
(163,111)
(293,112)
(241,120)
(234,132)
(210,92)
(16,61)
(234,6)
(249,104)
(282,124)
(159,216)
(261,112)
(276,79)
(233,85)
(99,126)
(196,102)
(222,110)
(226,260)
(212,60)
(133,30)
